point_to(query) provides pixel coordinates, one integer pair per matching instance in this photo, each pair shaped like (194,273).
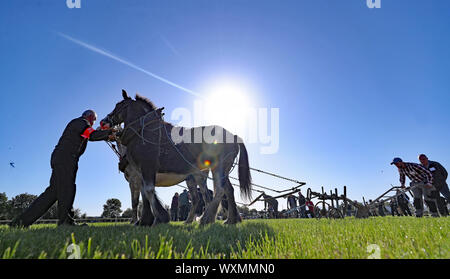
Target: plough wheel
(334,213)
(320,212)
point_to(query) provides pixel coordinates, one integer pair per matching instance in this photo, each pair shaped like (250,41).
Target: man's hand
(112,137)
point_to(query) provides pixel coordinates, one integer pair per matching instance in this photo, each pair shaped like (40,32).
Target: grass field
(396,237)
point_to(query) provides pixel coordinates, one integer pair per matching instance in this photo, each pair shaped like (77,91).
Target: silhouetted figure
(174,208)
(184,205)
(64,163)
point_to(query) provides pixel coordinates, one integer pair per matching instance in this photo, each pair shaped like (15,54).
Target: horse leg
(201,180)
(233,213)
(192,186)
(147,217)
(134,202)
(148,190)
(209,216)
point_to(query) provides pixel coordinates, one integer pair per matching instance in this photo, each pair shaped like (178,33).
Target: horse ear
(125,95)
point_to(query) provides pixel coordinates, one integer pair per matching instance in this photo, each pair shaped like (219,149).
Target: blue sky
(355,86)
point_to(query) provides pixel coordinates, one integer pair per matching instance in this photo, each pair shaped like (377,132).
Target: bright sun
(227,105)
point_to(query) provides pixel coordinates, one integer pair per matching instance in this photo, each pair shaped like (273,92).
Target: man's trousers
(62,189)
(429,194)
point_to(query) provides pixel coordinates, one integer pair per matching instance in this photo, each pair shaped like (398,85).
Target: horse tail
(245,178)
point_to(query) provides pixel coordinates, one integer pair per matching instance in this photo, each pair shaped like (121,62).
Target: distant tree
(83,216)
(19,203)
(112,208)
(4,206)
(128,213)
(77,213)
(244,210)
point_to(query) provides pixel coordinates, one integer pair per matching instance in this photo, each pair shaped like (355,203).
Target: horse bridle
(142,119)
(110,119)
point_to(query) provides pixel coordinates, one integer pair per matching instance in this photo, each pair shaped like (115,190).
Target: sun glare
(227,105)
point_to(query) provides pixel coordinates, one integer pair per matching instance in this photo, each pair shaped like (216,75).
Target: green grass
(398,238)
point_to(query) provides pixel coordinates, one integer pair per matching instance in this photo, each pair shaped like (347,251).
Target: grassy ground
(396,237)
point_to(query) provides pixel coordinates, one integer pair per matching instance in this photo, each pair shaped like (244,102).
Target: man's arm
(96,135)
(443,170)
(402,178)
(100,135)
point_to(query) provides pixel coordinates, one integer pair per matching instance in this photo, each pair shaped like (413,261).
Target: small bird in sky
(12,164)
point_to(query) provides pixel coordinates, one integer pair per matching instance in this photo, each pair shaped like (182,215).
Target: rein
(140,134)
(143,125)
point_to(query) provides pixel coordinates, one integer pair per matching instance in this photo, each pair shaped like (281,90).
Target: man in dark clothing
(64,163)
(381,210)
(292,206)
(440,175)
(421,185)
(394,207)
(372,211)
(349,210)
(183,205)
(271,205)
(291,202)
(174,208)
(302,205)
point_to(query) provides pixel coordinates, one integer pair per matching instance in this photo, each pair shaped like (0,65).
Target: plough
(383,198)
(333,210)
(328,204)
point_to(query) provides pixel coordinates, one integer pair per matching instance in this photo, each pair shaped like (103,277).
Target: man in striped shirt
(422,183)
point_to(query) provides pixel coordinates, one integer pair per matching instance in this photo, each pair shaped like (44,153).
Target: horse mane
(146,101)
(151,105)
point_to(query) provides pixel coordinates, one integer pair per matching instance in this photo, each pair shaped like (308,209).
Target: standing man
(271,205)
(422,181)
(64,163)
(440,175)
(394,207)
(381,210)
(183,205)
(174,208)
(302,204)
(310,206)
(291,202)
(372,211)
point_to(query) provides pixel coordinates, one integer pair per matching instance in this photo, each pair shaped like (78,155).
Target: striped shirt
(415,173)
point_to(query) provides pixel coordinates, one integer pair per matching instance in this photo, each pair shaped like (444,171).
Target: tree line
(12,208)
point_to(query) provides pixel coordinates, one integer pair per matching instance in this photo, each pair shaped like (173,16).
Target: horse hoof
(143,224)
(157,222)
(205,221)
(231,222)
